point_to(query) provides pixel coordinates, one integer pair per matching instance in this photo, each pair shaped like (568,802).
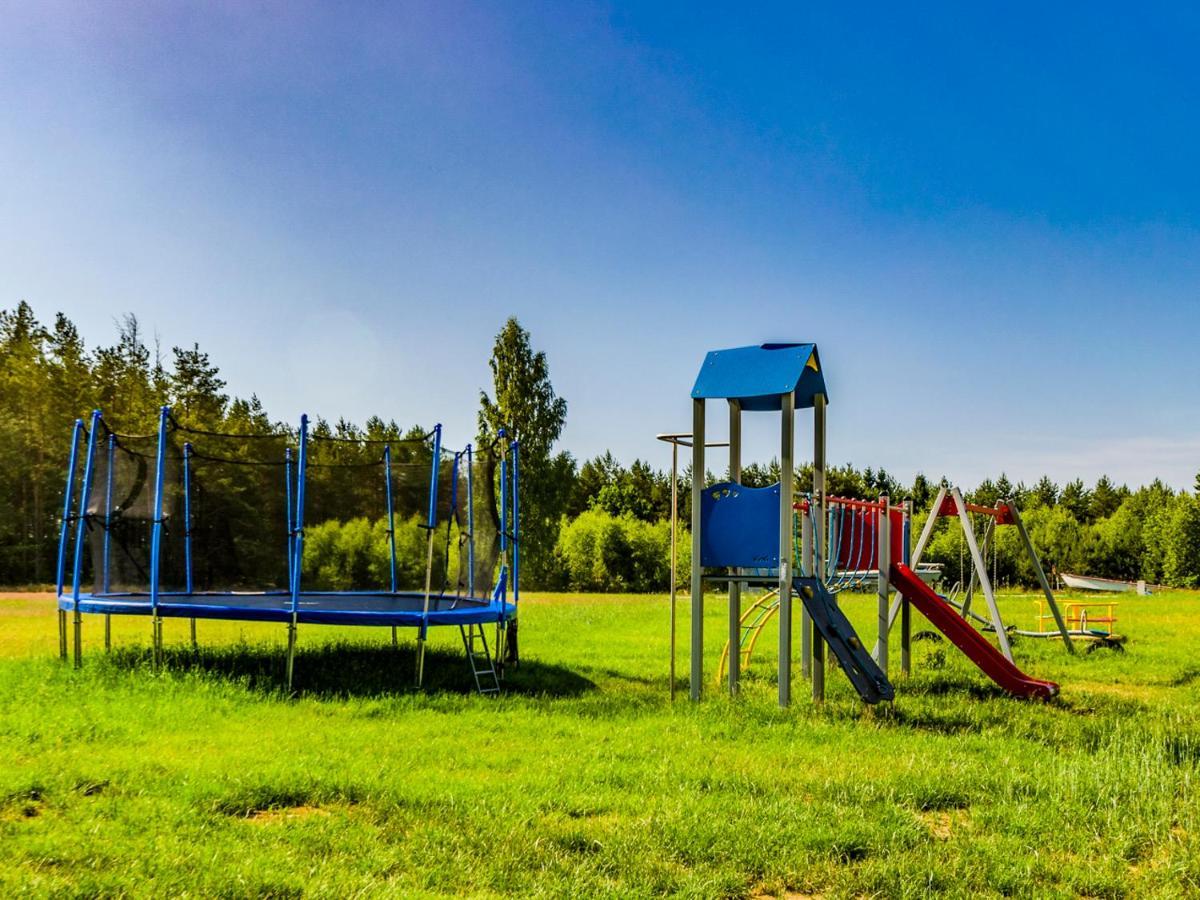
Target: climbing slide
(866,676)
(946,619)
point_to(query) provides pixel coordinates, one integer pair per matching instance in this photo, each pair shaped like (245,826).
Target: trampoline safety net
(233,506)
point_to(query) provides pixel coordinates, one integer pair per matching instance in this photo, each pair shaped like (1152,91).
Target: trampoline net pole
(297,564)
(79,536)
(68,502)
(64,534)
(470,523)
(431,524)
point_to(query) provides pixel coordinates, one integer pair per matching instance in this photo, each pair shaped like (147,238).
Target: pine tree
(593,476)
(922,492)
(196,387)
(1077,500)
(1004,488)
(1044,493)
(986,494)
(1105,499)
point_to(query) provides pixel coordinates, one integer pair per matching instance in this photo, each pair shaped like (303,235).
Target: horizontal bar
(845,501)
(683,439)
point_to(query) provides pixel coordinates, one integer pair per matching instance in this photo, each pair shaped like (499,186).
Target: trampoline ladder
(483,668)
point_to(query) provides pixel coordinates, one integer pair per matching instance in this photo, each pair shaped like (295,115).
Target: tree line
(591,525)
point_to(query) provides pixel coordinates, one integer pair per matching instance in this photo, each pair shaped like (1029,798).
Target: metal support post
(905,606)
(674,552)
(820,539)
(883,590)
(985,583)
(697,658)
(735,587)
(806,556)
(787,467)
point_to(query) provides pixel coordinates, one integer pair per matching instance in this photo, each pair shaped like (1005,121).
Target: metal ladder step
(479,658)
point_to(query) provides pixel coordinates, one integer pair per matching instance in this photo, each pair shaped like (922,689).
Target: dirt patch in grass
(942,824)
(21,806)
(286,814)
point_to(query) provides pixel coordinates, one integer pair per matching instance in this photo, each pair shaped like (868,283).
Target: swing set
(950,503)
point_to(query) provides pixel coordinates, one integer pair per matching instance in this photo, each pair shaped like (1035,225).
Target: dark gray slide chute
(862,670)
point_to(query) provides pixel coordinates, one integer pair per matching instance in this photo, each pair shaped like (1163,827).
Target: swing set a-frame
(949,503)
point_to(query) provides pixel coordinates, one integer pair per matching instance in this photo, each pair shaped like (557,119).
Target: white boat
(1092,583)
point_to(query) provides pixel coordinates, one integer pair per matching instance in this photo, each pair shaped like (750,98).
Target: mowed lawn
(583,779)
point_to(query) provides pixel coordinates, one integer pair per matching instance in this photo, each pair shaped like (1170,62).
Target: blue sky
(988,218)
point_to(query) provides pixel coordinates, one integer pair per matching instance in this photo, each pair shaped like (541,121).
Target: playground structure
(746,537)
(748,532)
(194,524)
(864,535)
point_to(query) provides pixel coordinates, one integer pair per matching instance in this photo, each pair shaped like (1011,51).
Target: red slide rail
(962,634)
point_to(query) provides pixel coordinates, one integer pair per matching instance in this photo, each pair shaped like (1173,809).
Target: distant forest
(598,525)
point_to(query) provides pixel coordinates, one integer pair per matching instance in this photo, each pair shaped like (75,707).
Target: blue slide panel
(739,526)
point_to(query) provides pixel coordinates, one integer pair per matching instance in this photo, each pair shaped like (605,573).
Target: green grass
(583,779)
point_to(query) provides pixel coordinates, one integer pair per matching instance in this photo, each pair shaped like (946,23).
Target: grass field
(583,779)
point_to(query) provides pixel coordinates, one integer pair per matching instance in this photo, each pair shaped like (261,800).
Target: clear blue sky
(988,218)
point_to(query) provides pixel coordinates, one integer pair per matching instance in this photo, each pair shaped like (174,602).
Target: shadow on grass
(344,669)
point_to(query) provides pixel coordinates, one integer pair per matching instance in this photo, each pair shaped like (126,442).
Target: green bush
(1153,534)
(354,556)
(602,552)
(1181,559)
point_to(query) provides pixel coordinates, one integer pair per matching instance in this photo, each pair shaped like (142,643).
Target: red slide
(945,618)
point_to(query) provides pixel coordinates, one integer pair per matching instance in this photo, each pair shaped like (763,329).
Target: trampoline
(312,526)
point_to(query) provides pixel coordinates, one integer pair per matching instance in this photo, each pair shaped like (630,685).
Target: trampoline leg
(501,648)
(78,639)
(107,632)
(420,658)
(291,654)
(395,638)
(62,635)
(194,634)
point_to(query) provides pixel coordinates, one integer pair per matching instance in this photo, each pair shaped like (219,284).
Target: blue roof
(759,376)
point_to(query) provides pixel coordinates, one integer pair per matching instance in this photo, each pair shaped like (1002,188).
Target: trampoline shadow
(340,670)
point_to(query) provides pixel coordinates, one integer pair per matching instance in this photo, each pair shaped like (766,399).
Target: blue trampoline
(317,526)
